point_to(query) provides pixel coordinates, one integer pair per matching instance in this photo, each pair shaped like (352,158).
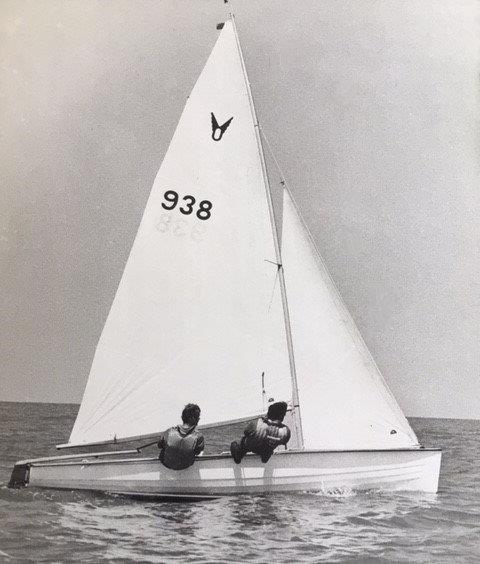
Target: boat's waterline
(289,471)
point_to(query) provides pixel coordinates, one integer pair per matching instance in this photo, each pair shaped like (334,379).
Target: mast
(297,422)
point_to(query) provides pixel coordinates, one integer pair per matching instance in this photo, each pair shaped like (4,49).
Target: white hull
(287,471)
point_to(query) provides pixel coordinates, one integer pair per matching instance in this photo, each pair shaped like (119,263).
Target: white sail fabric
(344,401)
(197,316)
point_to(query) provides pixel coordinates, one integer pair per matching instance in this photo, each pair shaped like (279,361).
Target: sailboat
(215,307)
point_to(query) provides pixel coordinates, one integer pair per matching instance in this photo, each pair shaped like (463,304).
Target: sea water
(337,526)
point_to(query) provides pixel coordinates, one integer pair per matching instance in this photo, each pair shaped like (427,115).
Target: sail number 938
(203,210)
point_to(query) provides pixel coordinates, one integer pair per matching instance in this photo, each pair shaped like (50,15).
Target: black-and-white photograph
(240,281)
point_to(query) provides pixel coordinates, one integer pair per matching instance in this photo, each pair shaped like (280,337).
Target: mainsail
(344,401)
(197,316)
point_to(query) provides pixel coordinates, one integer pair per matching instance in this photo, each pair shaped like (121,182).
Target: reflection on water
(290,527)
(343,525)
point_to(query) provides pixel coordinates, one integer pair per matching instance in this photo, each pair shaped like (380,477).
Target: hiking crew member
(179,445)
(264,435)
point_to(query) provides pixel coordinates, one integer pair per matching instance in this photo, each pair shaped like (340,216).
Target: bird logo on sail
(218,130)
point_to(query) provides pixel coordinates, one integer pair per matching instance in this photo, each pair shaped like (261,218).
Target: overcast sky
(372,108)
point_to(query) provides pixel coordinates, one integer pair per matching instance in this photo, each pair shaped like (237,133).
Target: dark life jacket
(264,435)
(179,446)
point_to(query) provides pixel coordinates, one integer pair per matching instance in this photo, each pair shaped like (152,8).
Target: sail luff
(296,414)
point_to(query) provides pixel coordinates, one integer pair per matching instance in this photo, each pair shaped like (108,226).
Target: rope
(283,182)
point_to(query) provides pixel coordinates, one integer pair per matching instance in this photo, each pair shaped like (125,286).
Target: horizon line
(407,416)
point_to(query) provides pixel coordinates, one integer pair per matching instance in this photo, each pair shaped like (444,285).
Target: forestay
(197,316)
(344,401)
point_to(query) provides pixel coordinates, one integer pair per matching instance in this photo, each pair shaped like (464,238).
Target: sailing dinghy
(213,307)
